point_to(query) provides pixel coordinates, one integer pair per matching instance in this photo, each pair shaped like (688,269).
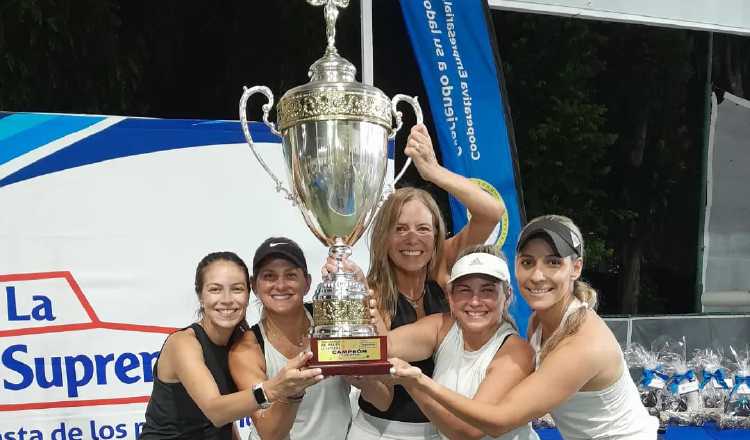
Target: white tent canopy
(730,16)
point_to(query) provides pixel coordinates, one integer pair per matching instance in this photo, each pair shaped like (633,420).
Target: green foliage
(560,129)
(607,121)
(51,62)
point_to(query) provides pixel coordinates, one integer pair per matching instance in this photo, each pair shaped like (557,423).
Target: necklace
(299,342)
(415,301)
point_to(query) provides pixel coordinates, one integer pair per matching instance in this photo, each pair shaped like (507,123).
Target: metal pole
(702,194)
(367,69)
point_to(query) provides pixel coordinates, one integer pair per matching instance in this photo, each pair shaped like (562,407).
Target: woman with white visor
(477,352)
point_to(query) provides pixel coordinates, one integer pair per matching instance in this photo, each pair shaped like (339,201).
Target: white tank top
(463,371)
(325,412)
(615,412)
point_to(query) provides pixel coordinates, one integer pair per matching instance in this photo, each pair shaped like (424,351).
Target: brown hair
(381,277)
(581,290)
(200,272)
(504,285)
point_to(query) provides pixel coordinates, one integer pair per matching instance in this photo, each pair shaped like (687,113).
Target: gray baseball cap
(564,241)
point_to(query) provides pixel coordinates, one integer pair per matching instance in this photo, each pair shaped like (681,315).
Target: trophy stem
(340,250)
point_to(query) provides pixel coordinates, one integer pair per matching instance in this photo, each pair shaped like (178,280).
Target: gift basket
(680,401)
(653,377)
(737,408)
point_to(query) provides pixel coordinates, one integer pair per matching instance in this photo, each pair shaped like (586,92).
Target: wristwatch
(260,396)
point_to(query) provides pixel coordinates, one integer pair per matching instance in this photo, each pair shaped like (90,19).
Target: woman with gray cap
(477,351)
(581,378)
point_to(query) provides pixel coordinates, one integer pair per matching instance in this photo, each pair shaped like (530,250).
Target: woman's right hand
(403,373)
(293,378)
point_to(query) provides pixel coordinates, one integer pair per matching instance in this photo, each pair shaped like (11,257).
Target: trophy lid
(332,67)
(333,93)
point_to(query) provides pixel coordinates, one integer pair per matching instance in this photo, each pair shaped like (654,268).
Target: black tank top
(403,408)
(172,414)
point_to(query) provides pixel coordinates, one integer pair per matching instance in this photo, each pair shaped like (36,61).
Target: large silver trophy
(334,133)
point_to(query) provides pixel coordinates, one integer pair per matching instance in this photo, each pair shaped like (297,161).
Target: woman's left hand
(376,318)
(404,373)
(419,148)
(348,266)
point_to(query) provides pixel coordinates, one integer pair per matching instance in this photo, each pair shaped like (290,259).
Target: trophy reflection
(335,134)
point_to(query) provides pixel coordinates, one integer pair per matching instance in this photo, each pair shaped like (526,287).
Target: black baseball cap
(564,241)
(279,247)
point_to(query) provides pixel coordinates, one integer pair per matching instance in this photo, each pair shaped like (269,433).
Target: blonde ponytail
(572,323)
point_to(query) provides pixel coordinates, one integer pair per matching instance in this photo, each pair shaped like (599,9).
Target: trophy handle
(397,115)
(243,122)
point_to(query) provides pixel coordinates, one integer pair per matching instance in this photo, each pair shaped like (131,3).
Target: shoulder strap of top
(259,337)
(452,338)
(200,333)
(308,307)
(504,332)
(435,300)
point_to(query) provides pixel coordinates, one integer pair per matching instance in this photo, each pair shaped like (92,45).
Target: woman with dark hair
(194,396)
(581,378)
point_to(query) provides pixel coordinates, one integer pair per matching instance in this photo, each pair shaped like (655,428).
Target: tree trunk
(631,276)
(633,250)
(733,66)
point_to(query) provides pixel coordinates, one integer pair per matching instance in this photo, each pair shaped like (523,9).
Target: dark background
(609,118)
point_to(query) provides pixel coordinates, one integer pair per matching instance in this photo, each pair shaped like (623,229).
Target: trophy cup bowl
(335,134)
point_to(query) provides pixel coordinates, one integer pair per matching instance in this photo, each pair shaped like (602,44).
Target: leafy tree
(608,126)
(550,65)
(653,96)
(64,56)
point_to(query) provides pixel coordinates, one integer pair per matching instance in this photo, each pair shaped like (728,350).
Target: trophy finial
(331,13)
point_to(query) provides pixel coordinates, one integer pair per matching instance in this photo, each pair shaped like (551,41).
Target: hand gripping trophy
(335,133)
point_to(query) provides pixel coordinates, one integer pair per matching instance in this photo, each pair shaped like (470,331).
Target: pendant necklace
(415,302)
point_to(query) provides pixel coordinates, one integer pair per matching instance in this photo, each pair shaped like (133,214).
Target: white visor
(480,263)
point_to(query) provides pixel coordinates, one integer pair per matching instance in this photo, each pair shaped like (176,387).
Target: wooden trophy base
(350,356)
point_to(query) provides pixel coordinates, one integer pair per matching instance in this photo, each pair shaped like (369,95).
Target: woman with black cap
(280,281)
(581,378)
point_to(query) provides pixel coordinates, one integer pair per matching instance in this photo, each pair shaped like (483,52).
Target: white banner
(104,221)
(731,16)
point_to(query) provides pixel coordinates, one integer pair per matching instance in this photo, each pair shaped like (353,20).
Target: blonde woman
(580,378)
(410,259)
(477,351)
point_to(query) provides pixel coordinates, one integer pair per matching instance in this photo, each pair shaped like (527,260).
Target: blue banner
(454,49)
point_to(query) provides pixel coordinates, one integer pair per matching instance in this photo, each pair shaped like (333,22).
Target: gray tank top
(325,413)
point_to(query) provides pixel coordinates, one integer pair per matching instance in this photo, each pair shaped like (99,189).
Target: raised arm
(486,211)
(554,382)
(248,367)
